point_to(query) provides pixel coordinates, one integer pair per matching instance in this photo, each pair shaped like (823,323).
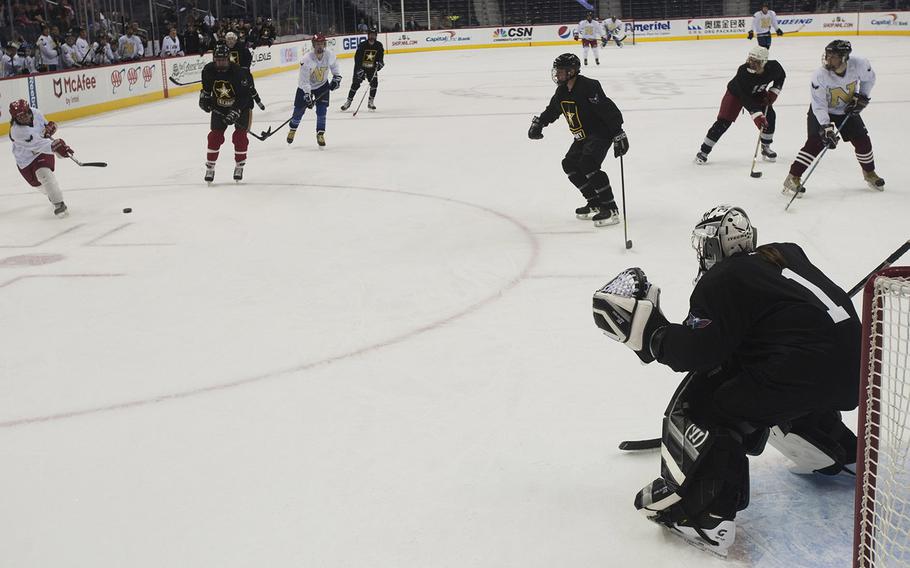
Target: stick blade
(639,445)
(94,164)
(755,174)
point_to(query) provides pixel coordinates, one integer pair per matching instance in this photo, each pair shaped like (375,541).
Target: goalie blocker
(771,347)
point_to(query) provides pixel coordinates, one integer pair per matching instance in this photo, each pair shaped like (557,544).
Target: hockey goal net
(882,535)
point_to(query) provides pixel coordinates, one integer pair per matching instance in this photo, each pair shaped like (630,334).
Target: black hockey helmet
(570,63)
(221,55)
(372,30)
(840,48)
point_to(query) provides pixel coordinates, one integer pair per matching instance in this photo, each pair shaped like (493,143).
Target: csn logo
(564,32)
(352,42)
(502,33)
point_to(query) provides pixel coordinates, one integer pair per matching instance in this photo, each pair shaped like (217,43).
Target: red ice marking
(395,340)
(94,242)
(47,240)
(31,259)
(18,278)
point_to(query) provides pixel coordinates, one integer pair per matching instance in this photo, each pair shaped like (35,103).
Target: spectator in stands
(129,47)
(102,53)
(47,50)
(29,63)
(191,39)
(362,27)
(82,48)
(170,45)
(411,26)
(10,62)
(68,52)
(267,33)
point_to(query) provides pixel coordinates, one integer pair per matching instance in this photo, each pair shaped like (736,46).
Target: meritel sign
(72,84)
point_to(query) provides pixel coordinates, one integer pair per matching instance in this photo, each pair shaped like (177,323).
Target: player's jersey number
(837,313)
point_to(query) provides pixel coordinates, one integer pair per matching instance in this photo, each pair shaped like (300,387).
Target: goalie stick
(654,443)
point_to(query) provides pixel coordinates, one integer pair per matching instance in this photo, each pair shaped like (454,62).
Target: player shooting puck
(127,209)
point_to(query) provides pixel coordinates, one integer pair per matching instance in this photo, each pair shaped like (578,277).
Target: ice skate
(347,104)
(209,172)
(597,61)
(606,216)
(875,182)
(320,137)
(701,158)
(793,185)
(291,133)
(723,533)
(586,60)
(238,171)
(585,213)
(370,104)
(60,209)
(767,153)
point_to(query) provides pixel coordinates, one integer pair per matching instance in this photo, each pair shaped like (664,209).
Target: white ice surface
(381,354)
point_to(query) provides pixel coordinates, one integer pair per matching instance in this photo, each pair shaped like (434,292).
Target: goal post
(882,502)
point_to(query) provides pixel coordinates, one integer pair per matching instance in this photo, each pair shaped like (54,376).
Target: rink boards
(65,95)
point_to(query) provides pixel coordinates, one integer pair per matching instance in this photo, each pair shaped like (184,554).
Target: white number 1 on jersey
(837,313)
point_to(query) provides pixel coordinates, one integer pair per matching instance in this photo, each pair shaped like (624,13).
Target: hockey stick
(752,172)
(375,76)
(89,164)
(885,264)
(654,443)
(179,84)
(269,132)
(801,188)
(625,221)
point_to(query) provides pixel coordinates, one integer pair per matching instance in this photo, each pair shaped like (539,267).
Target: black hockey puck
(127,209)
(755,174)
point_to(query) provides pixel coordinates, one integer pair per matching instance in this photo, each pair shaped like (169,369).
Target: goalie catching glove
(627,309)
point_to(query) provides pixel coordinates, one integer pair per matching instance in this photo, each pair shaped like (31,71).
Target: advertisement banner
(718,26)
(186,69)
(885,22)
(75,89)
(513,34)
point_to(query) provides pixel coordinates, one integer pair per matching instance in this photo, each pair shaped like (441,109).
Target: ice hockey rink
(381,353)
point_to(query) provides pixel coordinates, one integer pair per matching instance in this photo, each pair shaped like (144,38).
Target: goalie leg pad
(817,443)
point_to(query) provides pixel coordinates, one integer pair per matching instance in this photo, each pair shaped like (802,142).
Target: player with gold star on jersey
(368,61)
(596,123)
(228,93)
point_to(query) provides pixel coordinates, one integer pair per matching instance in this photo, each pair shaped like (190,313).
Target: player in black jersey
(238,51)
(368,61)
(755,87)
(596,123)
(228,93)
(772,348)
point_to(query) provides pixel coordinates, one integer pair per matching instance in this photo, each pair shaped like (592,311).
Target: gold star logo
(223,90)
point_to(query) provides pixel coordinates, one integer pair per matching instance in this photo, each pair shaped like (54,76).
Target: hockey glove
(231,116)
(61,149)
(360,74)
(828,134)
(379,66)
(536,130)
(858,103)
(575,37)
(759,119)
(620,144)
(259,103)
(751,34)
(771,97)
(308,100)
(780,32)
(627,309)
(336,82)
(205,101)
(49,129)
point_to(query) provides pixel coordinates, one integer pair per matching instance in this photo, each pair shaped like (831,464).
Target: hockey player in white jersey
(590,32)
(762,23)
(613,30)
(841,89)
(34,151)
(313,85)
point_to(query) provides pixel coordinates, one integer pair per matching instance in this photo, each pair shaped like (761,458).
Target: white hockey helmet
(722,232)
(757,58)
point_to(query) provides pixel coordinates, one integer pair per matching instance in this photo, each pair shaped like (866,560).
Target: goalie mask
(722,232)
